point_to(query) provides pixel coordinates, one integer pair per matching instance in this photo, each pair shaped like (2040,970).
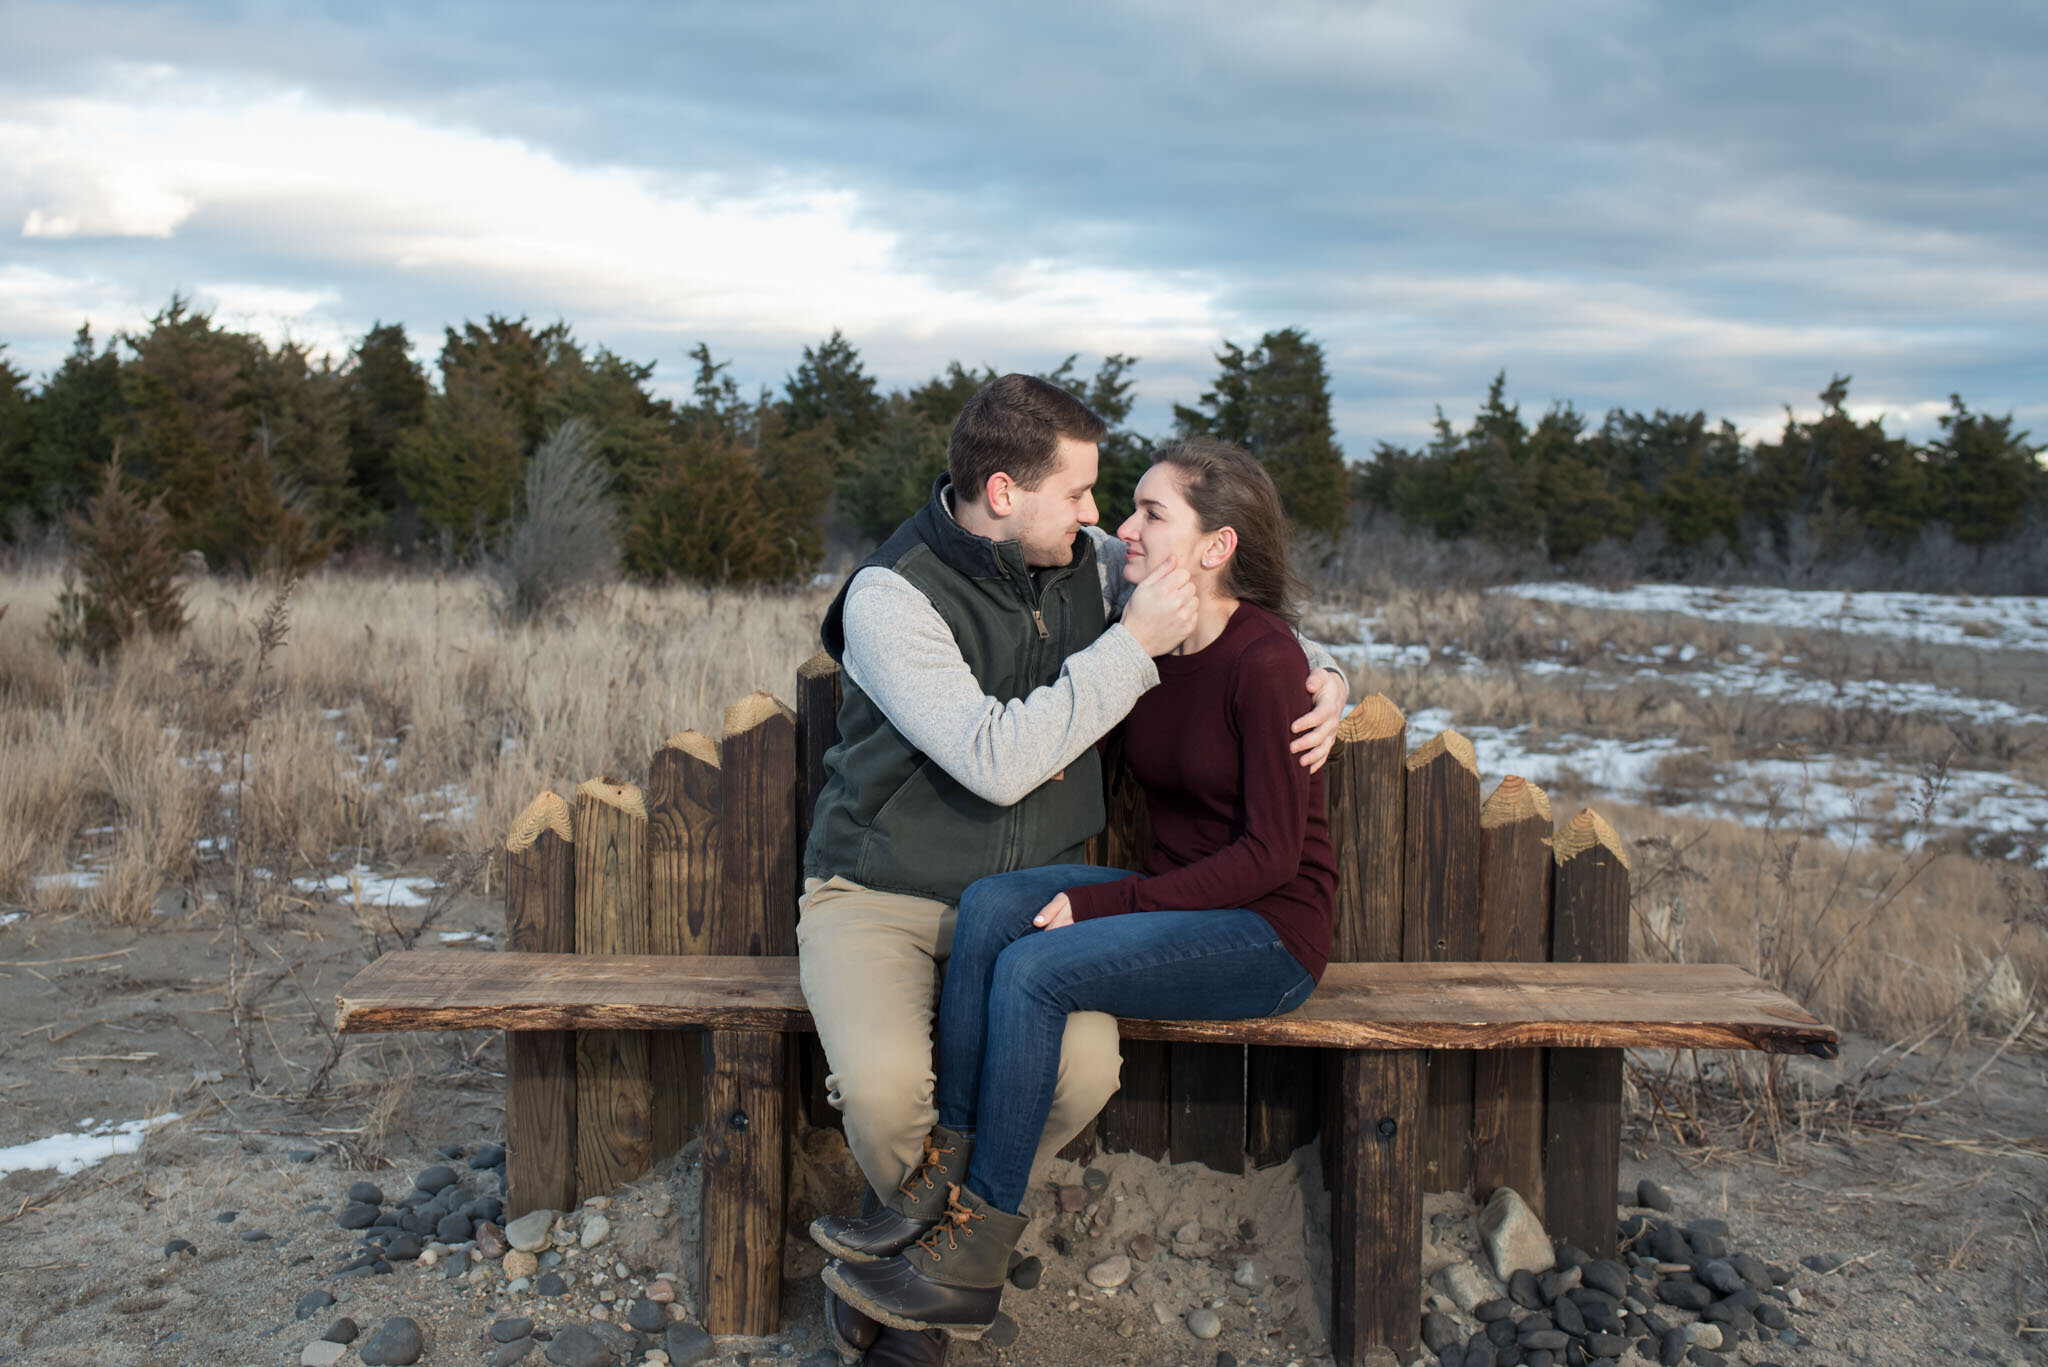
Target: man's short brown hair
(1013,426)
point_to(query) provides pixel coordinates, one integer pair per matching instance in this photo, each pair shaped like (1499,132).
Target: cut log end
(695,744)
(1375,718)
(1446,743)
(546,812)
(624,796)
(819,666)
(1516,799)
(1585,831)
(753,710)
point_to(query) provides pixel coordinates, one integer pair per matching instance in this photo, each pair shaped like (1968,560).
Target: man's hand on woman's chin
(1319,726)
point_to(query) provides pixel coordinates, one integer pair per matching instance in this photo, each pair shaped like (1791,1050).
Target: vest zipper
(1039,618)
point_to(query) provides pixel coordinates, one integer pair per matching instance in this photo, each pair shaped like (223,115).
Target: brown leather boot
(907,1212)
(951,1279)
(851,1332)
(908,1348)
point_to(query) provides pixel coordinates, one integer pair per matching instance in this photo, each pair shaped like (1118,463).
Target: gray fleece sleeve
(902,654)
(1109,561)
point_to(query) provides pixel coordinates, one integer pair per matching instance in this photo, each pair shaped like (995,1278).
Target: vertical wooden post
(1135,1118)
(614,1092)
(1440,892)
(1376,1206)
(1582,1124)
(1368,810)
(1514,925)
(817,731)
(1206,1092)
(683,817)
(746,1130)
(540,1065)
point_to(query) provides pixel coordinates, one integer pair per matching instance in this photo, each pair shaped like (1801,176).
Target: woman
(1230,919)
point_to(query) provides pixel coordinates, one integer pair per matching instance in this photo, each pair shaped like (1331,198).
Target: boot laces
(933,1157)
(957,1220)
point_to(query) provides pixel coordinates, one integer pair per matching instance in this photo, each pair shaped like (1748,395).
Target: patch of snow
(73,878)
(2013,623)
(377,890)
(68,1153)
(459,937)
(8,918)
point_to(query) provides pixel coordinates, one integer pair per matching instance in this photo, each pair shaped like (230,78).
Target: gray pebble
(226,1217)
(453,1229)
(366,1193)
(504,1331)
(1724,1279)
(177,1246)
(647,1316)
(551,1284)
(489,1156)
(303,1155)
(312,1303)
(1439,1331)
(613,1337)
(342,1330)
(1486,1312)
(512,1352)
(1025,1275)
(254,1236)
(435,1178)
(357,1215)
(1001,1334)
(578,1347)
(1606,1345)
(1651,1196)
(1606,1275)
(398,1343)
(456,1265)
(404,1248)
(687,1344)
(1523,1290)
(1205,1323)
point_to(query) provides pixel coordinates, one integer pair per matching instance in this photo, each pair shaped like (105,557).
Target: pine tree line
(262,457)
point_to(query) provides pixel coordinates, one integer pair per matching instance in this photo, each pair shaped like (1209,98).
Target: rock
(1465,1284)
(1499,1308)
(1773,1316)
(661,1291)
(1607,1276)
(512,1352)
(1095,1179)
(1250,1275)
(254,1236)
(551,1284)
(1684,1295)
(322,1353)
(519,1264)
(397,1343)
(578,1347)
(550,1259)
(1651,1196)
(454,1228)
(1605,1345)
(1555,1284)
(358,1215)
(1189,1233)
(620,1341)
(486,1208)
(1439,1331)
(490,1240)
(1702,1334)
(177,1246)
(1523,1290)
(435,1179)
(1144,1247)
(489,1156)
(1110,1273)
(1708,1244)
(647,1316)
(687,1344)
(366,1193)
(1671,1347)
(342,1330)
(504,1331)
(1204,1323)
(1553,1339)
(1001,1334)
(529,1233)
(1513,1235)
(1724,1279)
(1667,1244)
(1024,1276)
(1569,1317)
(595,1228)
(1453,1355)
(404,1248)
(1073,1199)
(312,1303)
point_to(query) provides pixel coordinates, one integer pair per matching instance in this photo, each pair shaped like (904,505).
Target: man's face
(1045,519)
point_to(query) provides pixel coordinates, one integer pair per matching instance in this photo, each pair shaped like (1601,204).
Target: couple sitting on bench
(986,647)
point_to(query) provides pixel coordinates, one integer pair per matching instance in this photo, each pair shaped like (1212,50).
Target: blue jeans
(1009,987)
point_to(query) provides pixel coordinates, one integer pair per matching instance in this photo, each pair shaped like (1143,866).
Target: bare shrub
(565,538)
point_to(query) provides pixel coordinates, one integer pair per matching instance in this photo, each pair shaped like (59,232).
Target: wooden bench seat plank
(1358,1006)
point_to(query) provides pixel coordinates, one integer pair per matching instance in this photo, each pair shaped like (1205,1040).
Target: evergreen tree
(1986,478)
(387,396)
(299,409)
(891,475)
(18,486)
(831,390)
(1275,402)
(77,416)
(124,573)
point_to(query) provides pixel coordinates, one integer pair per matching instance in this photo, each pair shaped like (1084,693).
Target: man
(985,648)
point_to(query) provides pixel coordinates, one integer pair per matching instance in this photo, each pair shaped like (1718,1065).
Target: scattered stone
(357,1215)
(312,1303)
(1204,1323)
(404,1248)
(1250,1275)
(302,1155)
(1466,1285)
(661,1291)
(1110,1273)
(512,1352)
(489,1156)
(619,1340)
(435,1179)
(490,1240)
(454,1228)
(1651,1196)
(1095,1179)
(322,1353)
(1605,1345)
(1440,1331)
(578,1347)
(254,1236)
(398,1343)
(1605,1275)
(551,1284)
(1555,1284)
(226,1217)
(1189,1233)
(1569,1317)
(1024,1276)
(1703,1334)
(595,1228)
(1073,1199)
(177,1246)
(687,1344)
(1500,1308)
(504,1331)
(342,1330)
(518,1264)
(1144,1247)
(550,1259)
(365,1194)
(647,1316)
(1513,1235)
(1684,1295)
(1523,1290)
(529,1233)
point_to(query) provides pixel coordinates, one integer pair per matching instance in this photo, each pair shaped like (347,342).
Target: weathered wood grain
(614,1088)
(1367,792)
(759,860)
(818,695)
(1514,926)
(1376,1207)
(684,801)
(745,1175)
(540,1065)
(1206,1106)
(1440,922)
(1358,1006)
(1582,1126)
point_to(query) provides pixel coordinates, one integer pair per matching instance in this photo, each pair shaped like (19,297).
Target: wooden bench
(1383,1016)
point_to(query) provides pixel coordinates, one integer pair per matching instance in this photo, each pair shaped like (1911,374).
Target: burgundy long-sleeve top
(1236,820)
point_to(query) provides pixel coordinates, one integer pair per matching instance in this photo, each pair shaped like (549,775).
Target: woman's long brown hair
(1228,487)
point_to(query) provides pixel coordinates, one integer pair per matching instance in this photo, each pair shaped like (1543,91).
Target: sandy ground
(1942,1214)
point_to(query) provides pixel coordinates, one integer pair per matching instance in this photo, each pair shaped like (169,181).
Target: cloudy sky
(1620,202)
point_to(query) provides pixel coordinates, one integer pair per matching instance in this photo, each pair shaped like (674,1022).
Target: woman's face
(1164,526)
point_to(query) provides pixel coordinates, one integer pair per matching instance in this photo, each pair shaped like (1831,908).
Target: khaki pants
(870,963)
